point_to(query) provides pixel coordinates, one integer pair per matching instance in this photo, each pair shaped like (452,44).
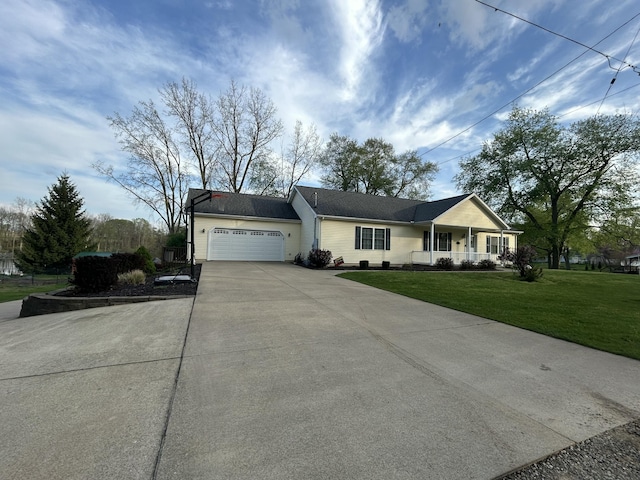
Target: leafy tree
(341,163)
(120,235)
(60,230)
(374,168)
(578,173)
(618,236)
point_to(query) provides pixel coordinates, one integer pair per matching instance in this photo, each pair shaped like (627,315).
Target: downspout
(315,245)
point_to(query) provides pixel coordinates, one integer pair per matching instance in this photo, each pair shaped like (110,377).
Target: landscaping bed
(146,289)
(70,298)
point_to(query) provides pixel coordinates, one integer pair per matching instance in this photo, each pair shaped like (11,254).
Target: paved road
(294,373)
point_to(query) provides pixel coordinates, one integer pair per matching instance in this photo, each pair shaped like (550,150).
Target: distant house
(631,263)
(354,226)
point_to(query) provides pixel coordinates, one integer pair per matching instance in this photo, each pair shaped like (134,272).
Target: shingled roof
(244,205)
(336,203)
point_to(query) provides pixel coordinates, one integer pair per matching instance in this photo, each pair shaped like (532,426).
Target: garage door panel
(245,245)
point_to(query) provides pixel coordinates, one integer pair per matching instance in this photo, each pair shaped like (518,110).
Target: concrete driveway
(280,372)
(294,373)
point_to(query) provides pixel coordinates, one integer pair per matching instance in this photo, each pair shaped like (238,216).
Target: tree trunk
(567,264)
(555,257)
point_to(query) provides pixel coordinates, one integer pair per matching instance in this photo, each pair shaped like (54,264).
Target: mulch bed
(147,289)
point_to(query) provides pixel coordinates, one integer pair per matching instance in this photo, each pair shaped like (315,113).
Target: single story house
(631,263)
(354,226)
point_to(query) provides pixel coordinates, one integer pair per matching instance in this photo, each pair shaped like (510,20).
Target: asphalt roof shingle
(359,205)
(241,204)
(332,203)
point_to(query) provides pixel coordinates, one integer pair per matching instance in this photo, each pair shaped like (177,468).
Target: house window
(368,238)
(493,244)
(442,241)
(474,242)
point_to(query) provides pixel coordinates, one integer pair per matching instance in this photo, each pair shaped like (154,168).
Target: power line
(596,101)
(608,57)
(618,71)
(530,89)
(442,162)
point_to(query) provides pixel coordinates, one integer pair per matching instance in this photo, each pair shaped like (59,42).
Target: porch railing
(422,257)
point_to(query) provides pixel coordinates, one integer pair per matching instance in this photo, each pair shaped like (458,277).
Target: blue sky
(414,72)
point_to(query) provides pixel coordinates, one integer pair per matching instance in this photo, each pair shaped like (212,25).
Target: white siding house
(351,225)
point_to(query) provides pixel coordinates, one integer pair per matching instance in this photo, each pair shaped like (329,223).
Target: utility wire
(613,80)
(442,162)
(596,101)
(528,90)
(608,57)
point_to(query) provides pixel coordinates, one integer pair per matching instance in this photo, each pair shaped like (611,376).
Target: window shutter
(425,241)
(358,238)
(387,239)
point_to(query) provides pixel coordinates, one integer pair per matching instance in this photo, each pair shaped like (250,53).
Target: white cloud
(407,20)
(361,32)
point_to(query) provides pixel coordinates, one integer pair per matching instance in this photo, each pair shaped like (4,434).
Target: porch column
(432,236)
(469,243)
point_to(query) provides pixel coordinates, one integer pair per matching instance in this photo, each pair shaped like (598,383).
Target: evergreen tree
(60,230)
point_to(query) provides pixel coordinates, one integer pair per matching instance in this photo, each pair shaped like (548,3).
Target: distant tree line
(44,236)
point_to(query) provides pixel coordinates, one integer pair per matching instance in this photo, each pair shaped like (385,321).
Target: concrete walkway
(294,373)
(280,372)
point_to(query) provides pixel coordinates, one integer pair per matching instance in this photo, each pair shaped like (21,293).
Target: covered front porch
(460,244)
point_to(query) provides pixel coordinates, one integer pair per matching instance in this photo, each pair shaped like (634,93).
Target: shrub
(467,265)
(125,262)
(486,264)
(319,258)
(522,259)
(134,277)
(94,274)
(532,274)
(149,266)
(444,263)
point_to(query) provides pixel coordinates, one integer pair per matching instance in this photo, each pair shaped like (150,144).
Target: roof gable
(243,205)
(471,211)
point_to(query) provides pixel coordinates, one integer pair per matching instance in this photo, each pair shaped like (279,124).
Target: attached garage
(245,245)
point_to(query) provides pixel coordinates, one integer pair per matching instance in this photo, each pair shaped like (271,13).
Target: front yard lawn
(12,289)
(599,310)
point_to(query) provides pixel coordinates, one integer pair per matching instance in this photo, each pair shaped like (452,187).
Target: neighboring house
(631,263)
(354,226)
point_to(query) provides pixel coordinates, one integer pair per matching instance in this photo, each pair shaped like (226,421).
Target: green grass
(599,310)
(16,290)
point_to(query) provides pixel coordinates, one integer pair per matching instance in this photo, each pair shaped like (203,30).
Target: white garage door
(245,245)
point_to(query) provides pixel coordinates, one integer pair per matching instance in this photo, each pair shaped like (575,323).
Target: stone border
(43,303)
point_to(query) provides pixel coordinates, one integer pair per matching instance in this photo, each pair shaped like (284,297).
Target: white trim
(246,217)
(483,205)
